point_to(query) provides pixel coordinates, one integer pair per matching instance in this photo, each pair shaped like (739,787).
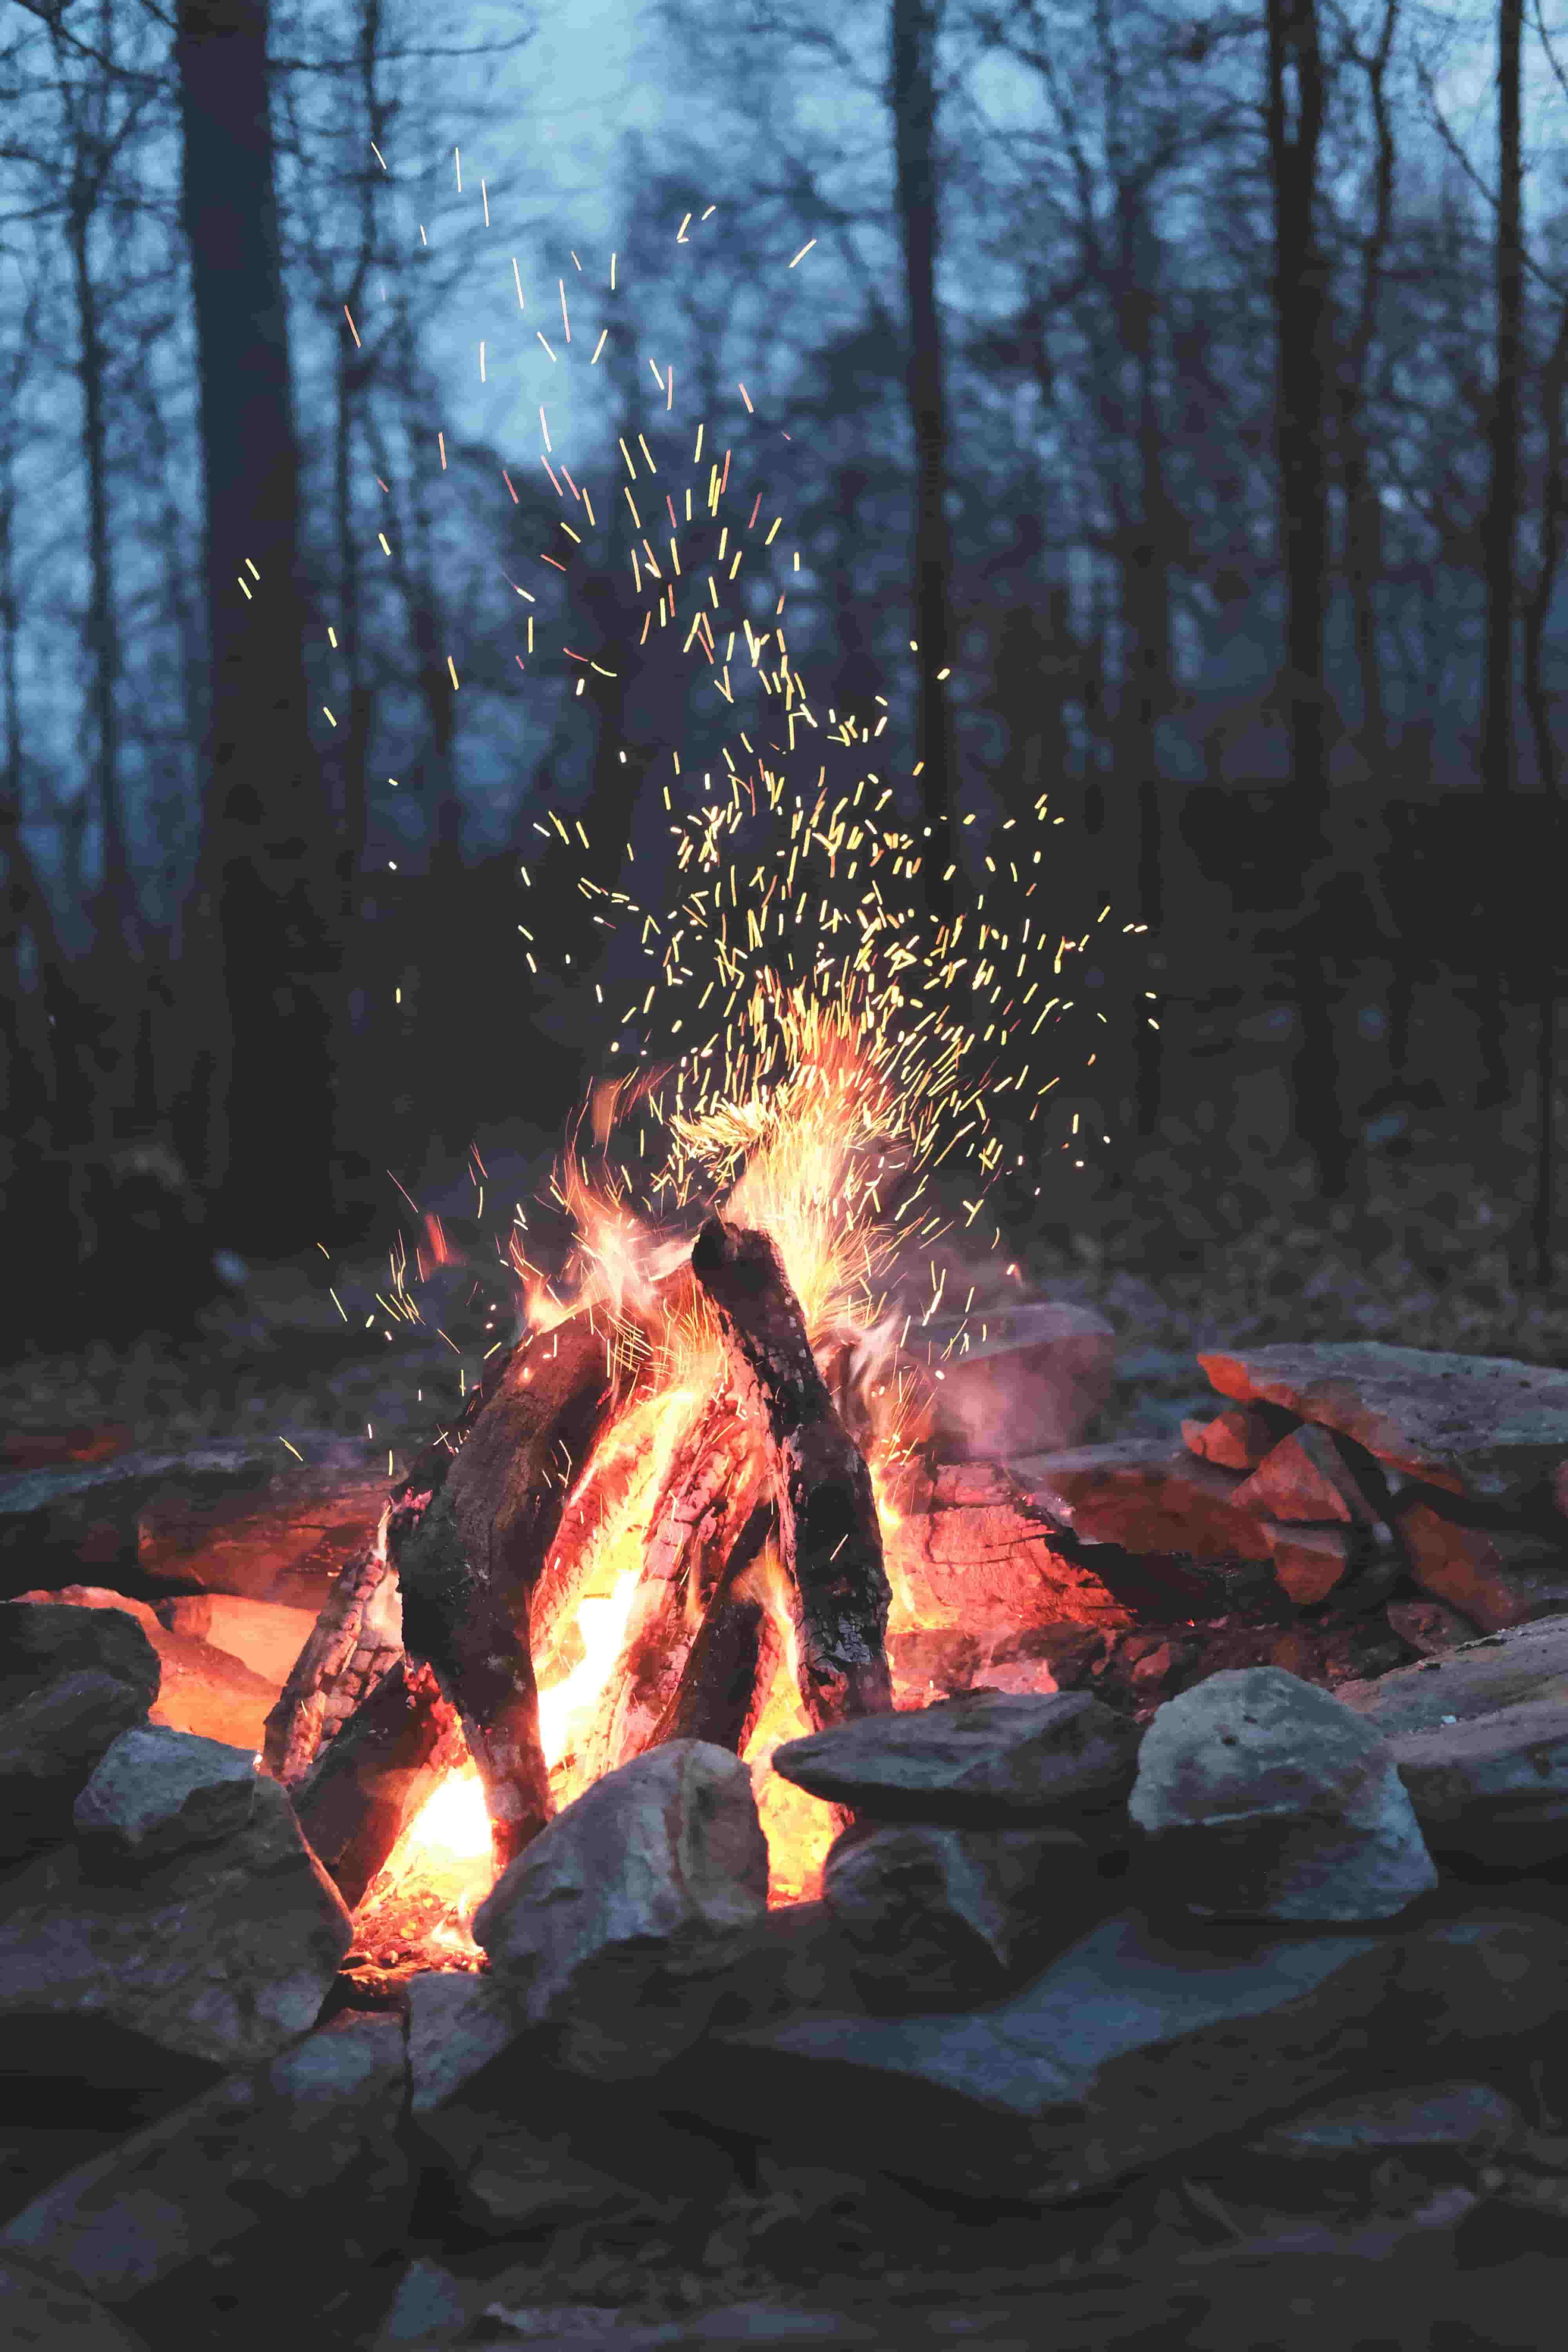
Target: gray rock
(256,2157)
(947,1911)
(1263,1797)
(989,1760)
(42,2313)
(1496,1787)
(1471,2117)
(1483,1426)
(224,1953)
(1131,2048)
(71,1680)
(157,1793)
(1023,1377)
(615,1924)
(1476,1677)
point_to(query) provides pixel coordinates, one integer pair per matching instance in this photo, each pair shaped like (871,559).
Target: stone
(1495,1787)
(1264,1799)
(1309,1561)
(615,1923)
(983,1559)
(264,1635)
(292,2163)
(987,1761)
(1145,1494)
(1487,1427)
(223,1952)
(201,1688)
(1238,1438)
(71,1680)
(1305,1477)
(157,1792)
(1021,1377)
(947,1913)
(1471,2117)
(1428,1626)
(1496,1576)
(39,2313)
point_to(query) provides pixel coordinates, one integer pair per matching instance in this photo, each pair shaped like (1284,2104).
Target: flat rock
(1500,1670)
(1145,1494)
(1129,2049)
(71,1680)
(1238,1438)
(1263,1797)
(615,1924)
(1495,1786)
(1496,1576)
(1487,1427)
(255,2155)
(949,1912)
(1305,1476)
(223,1953)
(1309,1562)
(264,1636)
(40,2313)
(1470,2117)
(157,1793)
(989,1759)
(201,1688)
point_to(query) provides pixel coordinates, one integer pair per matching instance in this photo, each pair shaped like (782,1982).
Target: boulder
(987,1761)
(222,1952)
(157,1792)
(1021,1377)
(1309,1562)
(1497,1576)
(290,2168)
(940,1916)
(1263,1797)
(616,1922)
(71,1680)
(1486,1427)
(100,1596)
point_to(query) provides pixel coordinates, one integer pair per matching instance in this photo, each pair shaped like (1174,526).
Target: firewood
(725,1678)
(363,1789)
(468,1554)
(704,1503)
(353,1644)
(830,1541)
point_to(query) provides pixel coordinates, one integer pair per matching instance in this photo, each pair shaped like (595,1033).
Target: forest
(1165,410)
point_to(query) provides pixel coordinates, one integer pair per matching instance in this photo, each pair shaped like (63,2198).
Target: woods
(1168,414)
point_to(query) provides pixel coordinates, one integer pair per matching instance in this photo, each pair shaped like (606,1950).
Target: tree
(266,856)
(912,95)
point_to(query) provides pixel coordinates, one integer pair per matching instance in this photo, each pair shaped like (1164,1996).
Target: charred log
(830,1541)
(468,1553)
(704,1505)
(356,1641)
(725,1678)
(356,1800)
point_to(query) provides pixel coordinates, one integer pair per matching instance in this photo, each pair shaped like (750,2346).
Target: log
(705,1501)
(468,1551)
(365,1788)
(724,1681)
(357,1638)
(829,1538)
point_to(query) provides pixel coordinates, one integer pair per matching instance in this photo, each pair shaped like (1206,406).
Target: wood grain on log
(705,1500)
(724,1681)
(367,1785)
(469,1560)
(830,1541)
(355,1639)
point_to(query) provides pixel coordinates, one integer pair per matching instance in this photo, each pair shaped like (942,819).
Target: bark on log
(830,1541)
(705,1500)
(468,1553)
(356,1639)
(366,1787)
(725,1678)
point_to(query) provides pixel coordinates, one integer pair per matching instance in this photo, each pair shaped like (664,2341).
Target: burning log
(356,1639)
(695,1527)
(724,1683)
(468,1554)
(829,1537)
(366,1787)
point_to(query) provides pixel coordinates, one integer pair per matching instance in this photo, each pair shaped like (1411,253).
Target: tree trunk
(1294,115)
(267,851)
(1553,508)
(912,95)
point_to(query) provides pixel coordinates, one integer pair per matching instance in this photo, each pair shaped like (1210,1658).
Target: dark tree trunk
(267,854)
(829,1534)
(912,95)
(1294,115)
(1553,508)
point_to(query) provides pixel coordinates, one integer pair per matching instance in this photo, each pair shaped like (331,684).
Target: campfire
(684,1505)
